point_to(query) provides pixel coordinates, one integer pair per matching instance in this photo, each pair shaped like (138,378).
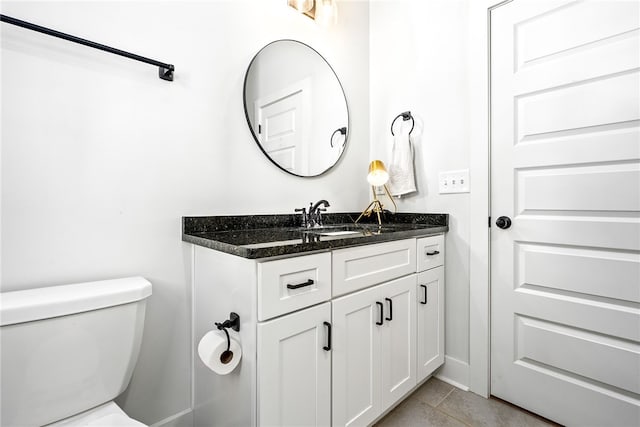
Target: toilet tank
(66,349)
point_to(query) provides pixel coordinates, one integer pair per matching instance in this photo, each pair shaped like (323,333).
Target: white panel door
(357,379)
(282,126)
(565,168)
(398,339)
(430,322)
(294,369)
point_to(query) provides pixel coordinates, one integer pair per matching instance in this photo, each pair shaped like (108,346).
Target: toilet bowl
(68,351)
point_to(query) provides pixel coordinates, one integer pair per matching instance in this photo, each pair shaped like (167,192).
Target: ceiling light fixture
(302,6)
(324,12)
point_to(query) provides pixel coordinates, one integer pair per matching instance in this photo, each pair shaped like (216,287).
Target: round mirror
(296,108)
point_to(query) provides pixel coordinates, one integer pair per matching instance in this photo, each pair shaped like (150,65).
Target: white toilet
(68,351)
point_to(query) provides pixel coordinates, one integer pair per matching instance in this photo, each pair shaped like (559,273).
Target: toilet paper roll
(212,350)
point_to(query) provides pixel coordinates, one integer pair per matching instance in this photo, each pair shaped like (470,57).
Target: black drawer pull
(425,294)
(390,309)
(328,346)
(381,313)
(433,253)
(301,285)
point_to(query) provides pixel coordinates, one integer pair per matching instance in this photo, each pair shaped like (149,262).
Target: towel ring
(405,116)
(342,130)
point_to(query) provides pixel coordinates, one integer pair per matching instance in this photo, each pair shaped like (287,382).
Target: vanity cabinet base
(308,358)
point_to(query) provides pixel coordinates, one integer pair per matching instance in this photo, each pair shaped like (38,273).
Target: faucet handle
(319,216)
(303,214)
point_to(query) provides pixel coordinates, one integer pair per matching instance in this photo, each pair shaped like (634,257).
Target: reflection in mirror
(296,108)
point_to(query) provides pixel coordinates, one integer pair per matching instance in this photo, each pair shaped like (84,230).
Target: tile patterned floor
(437,403)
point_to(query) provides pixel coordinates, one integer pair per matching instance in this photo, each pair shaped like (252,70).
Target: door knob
(503,222)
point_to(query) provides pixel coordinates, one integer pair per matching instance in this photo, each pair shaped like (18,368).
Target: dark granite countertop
(263,236)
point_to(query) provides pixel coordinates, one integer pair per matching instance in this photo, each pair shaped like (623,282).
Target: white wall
(100,158)
(419,62)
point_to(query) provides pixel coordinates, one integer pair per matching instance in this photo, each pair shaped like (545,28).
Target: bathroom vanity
(338,323)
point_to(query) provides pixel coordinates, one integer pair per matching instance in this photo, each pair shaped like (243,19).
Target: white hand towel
(401,174)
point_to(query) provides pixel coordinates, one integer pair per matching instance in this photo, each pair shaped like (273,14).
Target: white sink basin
(338,233)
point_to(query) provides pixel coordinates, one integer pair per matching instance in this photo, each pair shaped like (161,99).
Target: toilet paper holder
(233,322)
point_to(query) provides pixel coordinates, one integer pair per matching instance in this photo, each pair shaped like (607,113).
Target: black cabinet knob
(503,222)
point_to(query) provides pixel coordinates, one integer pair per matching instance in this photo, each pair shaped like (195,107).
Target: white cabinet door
(430,323)
(294,369)
(398,343)
(357,389)
(374,362)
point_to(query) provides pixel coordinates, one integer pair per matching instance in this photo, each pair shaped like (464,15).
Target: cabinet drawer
(290,284)
(363,266)
(430,252)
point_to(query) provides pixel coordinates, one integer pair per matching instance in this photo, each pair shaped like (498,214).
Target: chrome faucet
(315,213)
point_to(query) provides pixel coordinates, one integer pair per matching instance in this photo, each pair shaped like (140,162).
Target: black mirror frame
(255,137)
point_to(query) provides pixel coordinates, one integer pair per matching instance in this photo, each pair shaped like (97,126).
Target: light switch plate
(453,181)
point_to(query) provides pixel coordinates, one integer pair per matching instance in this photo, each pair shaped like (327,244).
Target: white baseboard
(181,419)
(454,372)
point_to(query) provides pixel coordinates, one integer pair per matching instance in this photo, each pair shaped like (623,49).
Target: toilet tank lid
(42,303)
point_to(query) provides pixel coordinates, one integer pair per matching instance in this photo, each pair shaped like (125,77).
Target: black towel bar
(165,71)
